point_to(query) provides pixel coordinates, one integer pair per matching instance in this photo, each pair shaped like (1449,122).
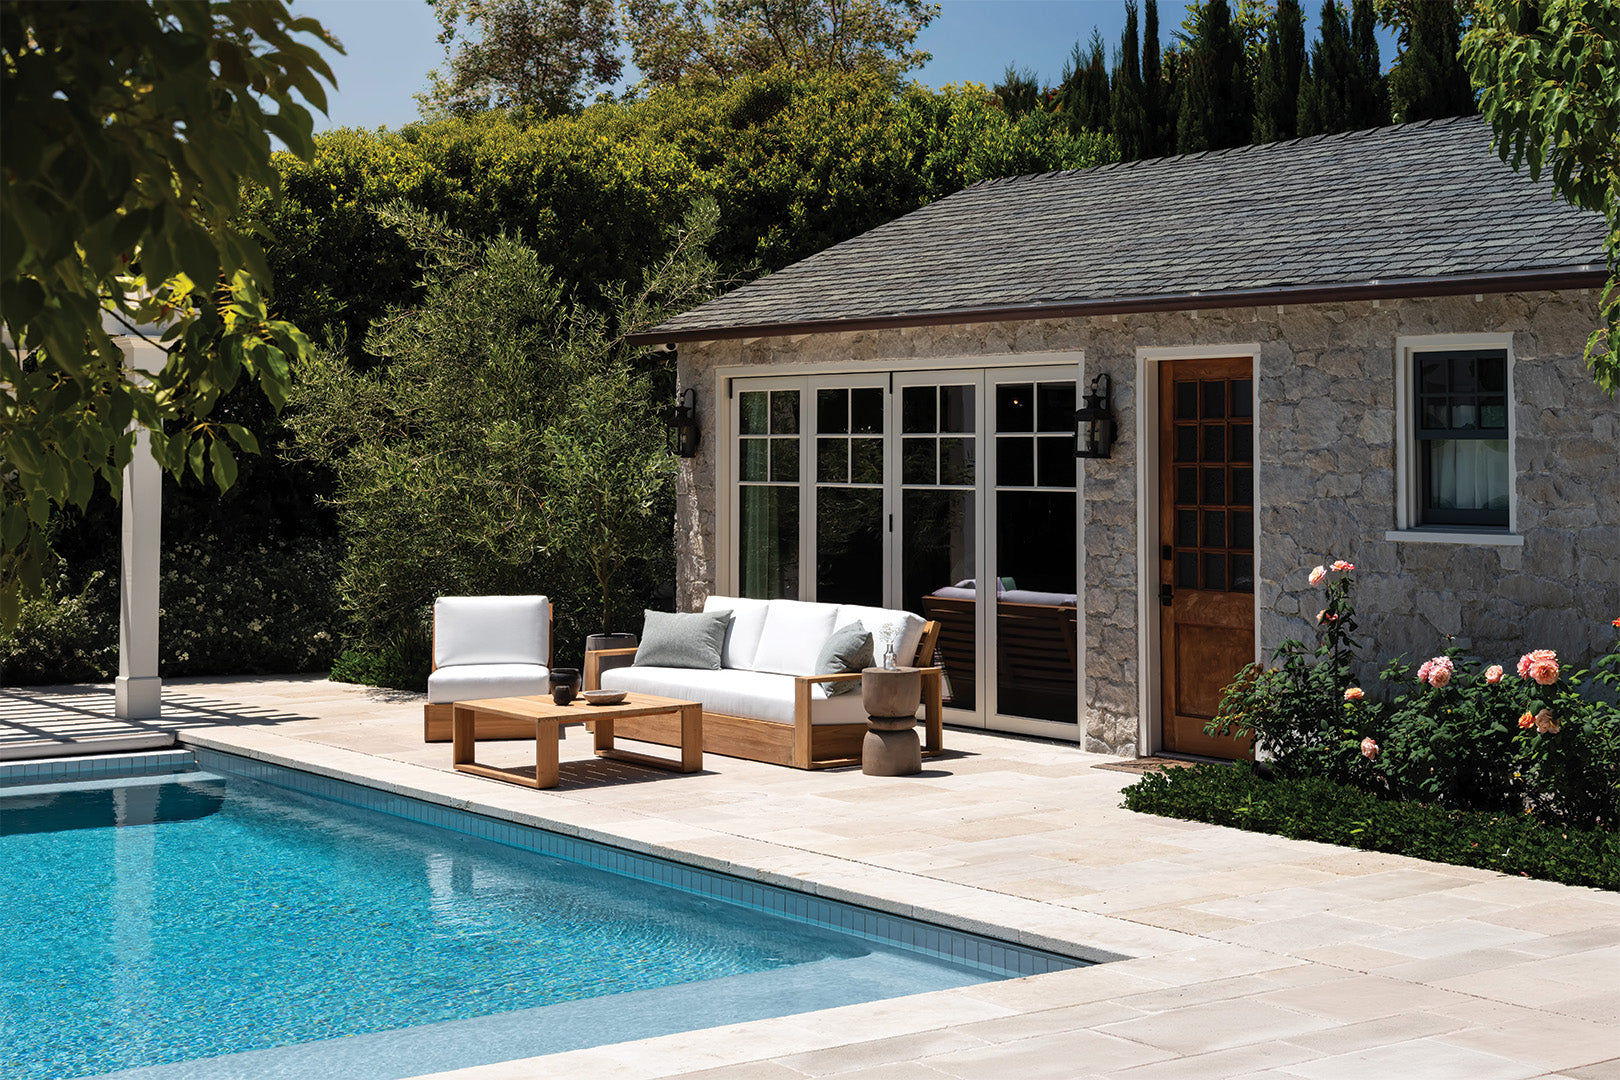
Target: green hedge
(1309,808)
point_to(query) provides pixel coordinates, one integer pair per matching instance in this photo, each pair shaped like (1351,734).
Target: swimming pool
(283,924)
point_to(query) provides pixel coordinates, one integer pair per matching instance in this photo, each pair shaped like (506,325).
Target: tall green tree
(1154,97)
(1327,96)
(1549,74)
(1276,104)
(1127,103)
(131,133)
(1369,97)
(672,40)
(1018,91)
(1083,99)
(539,54)
(1215,97)
(1428,80)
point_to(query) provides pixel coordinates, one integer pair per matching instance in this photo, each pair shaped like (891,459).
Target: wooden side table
(891,697)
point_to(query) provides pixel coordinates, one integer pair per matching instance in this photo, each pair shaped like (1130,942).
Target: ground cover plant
(1520,758)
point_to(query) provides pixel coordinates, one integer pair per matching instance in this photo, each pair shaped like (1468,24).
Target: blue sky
(392,45)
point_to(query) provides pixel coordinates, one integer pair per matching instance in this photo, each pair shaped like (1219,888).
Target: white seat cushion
(795,631)
(878,622)
(755,694)
(742,636)
(469,682)
(491,630)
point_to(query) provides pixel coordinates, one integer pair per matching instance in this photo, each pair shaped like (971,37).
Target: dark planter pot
(564,684)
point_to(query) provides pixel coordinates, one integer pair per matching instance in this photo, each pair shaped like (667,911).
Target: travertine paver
(1246,955)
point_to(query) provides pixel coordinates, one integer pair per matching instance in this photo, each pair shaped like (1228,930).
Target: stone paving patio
(1248,955)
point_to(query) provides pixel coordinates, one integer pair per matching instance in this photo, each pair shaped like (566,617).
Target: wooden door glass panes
(938,517)
(1213,453)
(849,495)
(1036,648)
(768,497)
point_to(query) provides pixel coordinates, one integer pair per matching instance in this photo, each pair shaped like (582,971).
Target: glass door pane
(937,430)
(1036,657)
(768,477)
(849,494)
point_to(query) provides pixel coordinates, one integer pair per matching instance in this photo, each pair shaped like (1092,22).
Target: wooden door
(1206,545)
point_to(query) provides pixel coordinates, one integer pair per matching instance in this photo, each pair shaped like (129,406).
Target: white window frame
(1409,526)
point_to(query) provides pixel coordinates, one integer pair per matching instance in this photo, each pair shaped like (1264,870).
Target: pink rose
(1318,575)
(1436,672)
(1369,748)
(1540,665)
(1545,723)
(1354,694)
(1343,567)
(1493,674)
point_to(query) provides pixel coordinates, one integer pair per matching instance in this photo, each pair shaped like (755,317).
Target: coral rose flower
(1527,721)
(1540,665)
(1493,674)
(1354,694)
(1343,567)
(1437,672)
(1318,575)
(1369,748)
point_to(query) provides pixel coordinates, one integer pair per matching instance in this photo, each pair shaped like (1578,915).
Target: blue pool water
(233,928)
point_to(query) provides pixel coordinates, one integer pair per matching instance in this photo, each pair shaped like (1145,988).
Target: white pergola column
(139,689)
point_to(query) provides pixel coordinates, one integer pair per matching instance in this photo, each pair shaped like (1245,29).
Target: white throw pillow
(793,636)
(742,636)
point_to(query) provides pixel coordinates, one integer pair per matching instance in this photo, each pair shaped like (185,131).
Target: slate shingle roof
(1415,203)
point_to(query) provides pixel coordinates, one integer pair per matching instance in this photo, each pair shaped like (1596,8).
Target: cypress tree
(1429,80)
(1092,101)
(1276,93)
(1018,91)
(1324,104)
(1215,105)
(1369,100)
(1129,112)
(1153,95)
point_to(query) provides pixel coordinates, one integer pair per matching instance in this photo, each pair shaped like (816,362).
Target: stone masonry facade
(1325,459)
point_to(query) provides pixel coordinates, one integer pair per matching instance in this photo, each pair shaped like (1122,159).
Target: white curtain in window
(1468,474)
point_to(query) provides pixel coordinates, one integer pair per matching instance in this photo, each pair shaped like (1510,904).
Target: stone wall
(1325,475)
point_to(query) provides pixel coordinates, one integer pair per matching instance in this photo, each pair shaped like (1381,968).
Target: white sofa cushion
(757,695)
(795,631)
(469,682)
(877,621)
(742,636)
(491,630)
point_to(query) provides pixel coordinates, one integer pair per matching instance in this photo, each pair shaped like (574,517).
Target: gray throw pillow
(683,640)
(849,649)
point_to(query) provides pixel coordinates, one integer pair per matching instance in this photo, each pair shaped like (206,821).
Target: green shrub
(1311,808)
(70,636)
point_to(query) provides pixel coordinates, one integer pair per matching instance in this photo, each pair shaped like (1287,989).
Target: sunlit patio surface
(1243,955)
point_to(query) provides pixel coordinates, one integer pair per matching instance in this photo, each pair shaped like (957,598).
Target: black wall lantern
(1094,420)
(682,422)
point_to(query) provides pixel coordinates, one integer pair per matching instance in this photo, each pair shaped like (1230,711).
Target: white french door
(949,493)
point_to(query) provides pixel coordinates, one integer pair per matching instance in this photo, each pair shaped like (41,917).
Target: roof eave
(1580,277)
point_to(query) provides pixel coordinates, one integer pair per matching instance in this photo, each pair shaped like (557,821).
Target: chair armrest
(842,676)
(600,660)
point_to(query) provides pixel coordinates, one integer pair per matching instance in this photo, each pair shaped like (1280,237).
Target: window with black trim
(1460,432)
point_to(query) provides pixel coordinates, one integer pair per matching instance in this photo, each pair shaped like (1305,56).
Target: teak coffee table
(549,717)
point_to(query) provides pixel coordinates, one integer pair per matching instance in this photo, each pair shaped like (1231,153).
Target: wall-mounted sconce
(1094,420)
(682,422)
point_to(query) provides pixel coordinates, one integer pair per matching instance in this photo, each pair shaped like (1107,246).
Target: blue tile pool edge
(873,918)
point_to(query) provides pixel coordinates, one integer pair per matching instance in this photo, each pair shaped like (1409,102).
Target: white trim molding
(1408,514)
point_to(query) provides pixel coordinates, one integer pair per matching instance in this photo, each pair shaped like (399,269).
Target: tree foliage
(1282,65)
(131,130)
(1214,106)
(1428,80)
(1128,111)
(505,442)
(673,40)
(539,54)
(1550,79)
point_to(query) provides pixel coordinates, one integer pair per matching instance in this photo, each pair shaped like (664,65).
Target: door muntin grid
(768,477)
(1212,450)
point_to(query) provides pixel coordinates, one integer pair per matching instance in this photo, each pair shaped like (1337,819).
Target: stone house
(1365,347)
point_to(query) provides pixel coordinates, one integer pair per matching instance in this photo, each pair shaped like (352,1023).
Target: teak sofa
(766,703)
(487,647)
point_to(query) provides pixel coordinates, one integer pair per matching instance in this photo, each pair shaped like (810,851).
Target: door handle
(1165,594)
